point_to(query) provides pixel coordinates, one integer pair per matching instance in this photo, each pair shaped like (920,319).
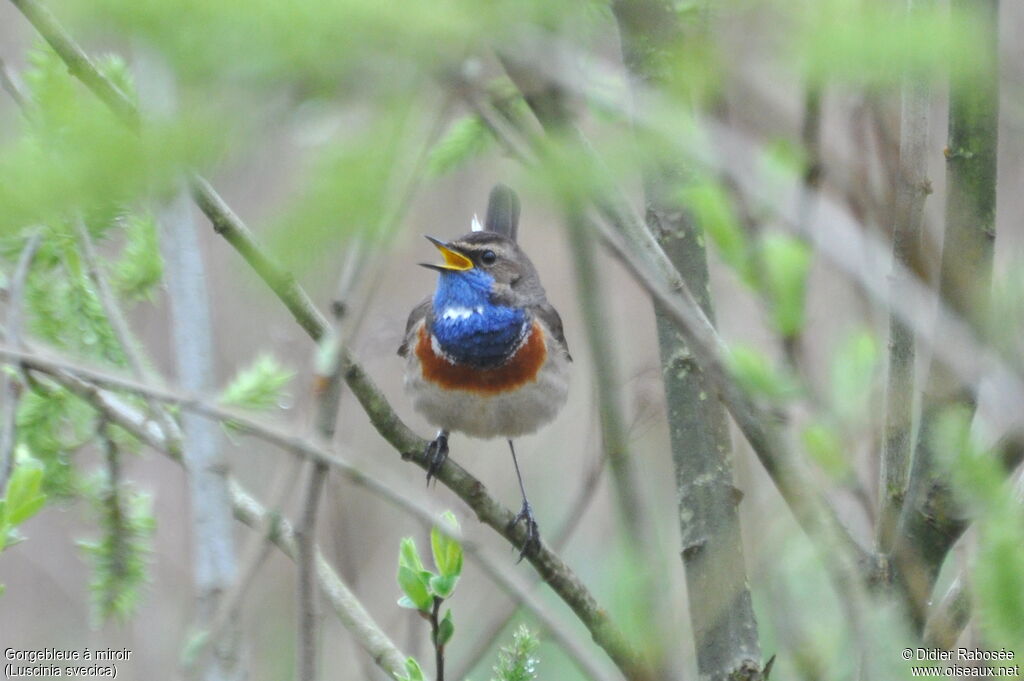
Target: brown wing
(547,314)
(418,313)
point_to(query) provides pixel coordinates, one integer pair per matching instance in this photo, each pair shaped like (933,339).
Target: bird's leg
(532,544)
(436,454)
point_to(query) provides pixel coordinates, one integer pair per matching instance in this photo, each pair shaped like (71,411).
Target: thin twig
(346,606)
(604,364)
(253,559)
(140,367)
(305,559)
(435,629)
(10,85)
(10,387)
(115,517)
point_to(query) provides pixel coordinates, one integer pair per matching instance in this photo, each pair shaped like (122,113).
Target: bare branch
(192,333)
(912,188)
(721,612)
(346,606)
(948,617)
(137,362)
(931,521)
(10,388)
(10,86)
(252,560)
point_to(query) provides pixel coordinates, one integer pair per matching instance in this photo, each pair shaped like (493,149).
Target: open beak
(453,260)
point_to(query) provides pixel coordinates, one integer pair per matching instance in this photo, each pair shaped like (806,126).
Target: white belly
(509,414)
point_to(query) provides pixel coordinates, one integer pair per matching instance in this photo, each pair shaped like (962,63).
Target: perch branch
(84,381)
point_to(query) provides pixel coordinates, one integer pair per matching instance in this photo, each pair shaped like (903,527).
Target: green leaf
(406,602)
(445,629)
(713,212)
(261,386)
(516,661)
(23,499)
(443,586)
(785,262)
(414,585)
(759,377)
(447,550)
(825,447)
(413,671)
(409,556)
(140,267)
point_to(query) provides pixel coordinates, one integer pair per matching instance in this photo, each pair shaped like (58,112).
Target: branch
(932,520)
(948,617)
(10,86)
(549,565)
(137,362)
(559,540)
(254,558)
(135,422)
(10,389)
(724,628)
(215,561)
(605,370)
(346,606)
(305,559)
(912,188)
(115,516)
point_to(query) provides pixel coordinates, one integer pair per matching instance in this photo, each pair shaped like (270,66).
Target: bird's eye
(488,257)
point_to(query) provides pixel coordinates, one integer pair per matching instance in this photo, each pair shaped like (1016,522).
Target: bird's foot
(436,454)
(532,544)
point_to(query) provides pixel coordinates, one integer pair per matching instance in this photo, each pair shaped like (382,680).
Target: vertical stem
(210,501)
(912,188)
(435,627)
(305,559)
(931,522)
(10,389)
(605,370)
(725,631)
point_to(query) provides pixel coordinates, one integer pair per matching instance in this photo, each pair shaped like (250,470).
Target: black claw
(436,454)
(532,544)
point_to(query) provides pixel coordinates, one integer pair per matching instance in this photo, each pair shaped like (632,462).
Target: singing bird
(485,354)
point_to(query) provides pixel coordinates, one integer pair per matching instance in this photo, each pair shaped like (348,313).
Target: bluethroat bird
(485,353)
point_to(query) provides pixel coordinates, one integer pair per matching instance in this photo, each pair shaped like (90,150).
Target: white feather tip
(477,227)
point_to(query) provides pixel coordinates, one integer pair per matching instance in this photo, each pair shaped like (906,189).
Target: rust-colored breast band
(520,369)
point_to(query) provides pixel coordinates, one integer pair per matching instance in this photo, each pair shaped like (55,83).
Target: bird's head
(487,264)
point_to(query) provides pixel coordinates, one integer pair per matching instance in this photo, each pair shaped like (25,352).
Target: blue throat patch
(468,327)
